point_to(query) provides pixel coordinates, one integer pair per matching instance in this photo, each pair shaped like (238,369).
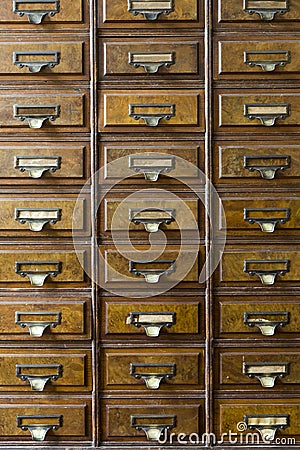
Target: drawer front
(163,317)
(152,111)
(44,111)
(263,370)
(45,13)
(44,59)
(69,416)
(44,164)
(54,319)
(267,217)
(174,267)
(257,59)
(264,13)
(143,369)
(259,165)
(145,215)
(261,111)
(266,317)
(278,411)
(261,267)
(43,216)
(124,416)
(51,371)
(39,267)
(160,14)
(145,163)
(159,58)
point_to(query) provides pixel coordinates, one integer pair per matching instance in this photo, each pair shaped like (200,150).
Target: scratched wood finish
(75,323)
(230,316)
(75,366)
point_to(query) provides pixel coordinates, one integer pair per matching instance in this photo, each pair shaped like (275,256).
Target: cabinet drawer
(259,112)
(44,164)
(252,58)
(44,111)
(262,414)
(152,317)
(260,317)
(160,58)
(40,267)
(143,215)
(146,370)
(123,417)
(66,418)
(264,217)
(264,13)
(152,111)
(263,267)
(145,163)
(156,269)
(55,318)
(44,14)
(44,59)
(43,216)
(266,369)
(145,14)
(258,165)
(48,371)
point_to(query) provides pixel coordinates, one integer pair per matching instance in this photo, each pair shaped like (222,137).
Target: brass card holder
(37,218)
(38,381)
(267,276)
(37,327)
(21,59)
(37,165)
(35,16)
(151,62)
(152,379)
(141,111)
(267,322)
(44,423)
(153,425)
(152,166)
(267,9)
(36,271)
(266,373)
(265,165)
(150,9)
(152,322)
(267,424)
(152,275)
(267,223)
(268,114)
(265,61)
(151,218)
(36,115)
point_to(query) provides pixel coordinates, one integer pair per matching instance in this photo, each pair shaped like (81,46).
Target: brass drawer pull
(153,425)
(266,373)
(267,223)
(267,9)
(152,379)
(44,423)
(267,424)
(151,218)
(35,271)
(38,381)
(37,218)
(152,275)
(151,62)
(37,327)
(267,276)
(152,322)
(150,9)
(267,322)
(152,119)
(152,166)
(35,16)
(267,64)
(36,115)
(37,165)
(266,113)
(21,59)
(265,164)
